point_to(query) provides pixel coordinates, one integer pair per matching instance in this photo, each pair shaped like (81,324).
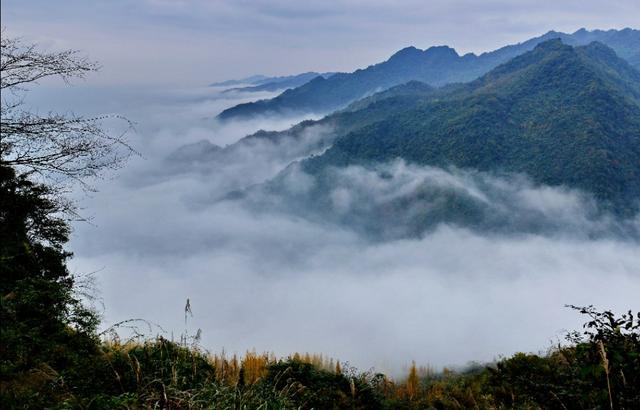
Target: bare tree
(58,146)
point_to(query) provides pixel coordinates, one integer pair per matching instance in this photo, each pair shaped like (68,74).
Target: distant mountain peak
(407,52)
(412,52)
(409,49)
(441,51)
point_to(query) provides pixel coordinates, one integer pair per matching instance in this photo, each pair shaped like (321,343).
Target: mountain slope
(253,80)
(435,66)
(281,83)
(308,136)
(562,115)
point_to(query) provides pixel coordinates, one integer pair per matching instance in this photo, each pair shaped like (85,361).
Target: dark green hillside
(563,115)
(435,66)
(412,89)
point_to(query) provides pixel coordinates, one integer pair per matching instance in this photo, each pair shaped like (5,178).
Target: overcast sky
(191,42)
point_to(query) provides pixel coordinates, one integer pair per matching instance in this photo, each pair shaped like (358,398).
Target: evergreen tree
(45,328)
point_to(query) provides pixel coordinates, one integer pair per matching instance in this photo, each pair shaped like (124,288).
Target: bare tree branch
(55,145)
(23,64)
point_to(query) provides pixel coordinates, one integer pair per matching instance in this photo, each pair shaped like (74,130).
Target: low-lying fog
(277,281)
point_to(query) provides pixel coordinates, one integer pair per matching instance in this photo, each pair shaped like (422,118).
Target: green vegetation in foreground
(52,356)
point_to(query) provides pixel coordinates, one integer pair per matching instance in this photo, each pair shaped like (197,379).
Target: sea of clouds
(271,272)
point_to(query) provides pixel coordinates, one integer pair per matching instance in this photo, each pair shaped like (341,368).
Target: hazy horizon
(199,42)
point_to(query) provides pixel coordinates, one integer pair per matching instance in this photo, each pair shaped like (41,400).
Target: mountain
(309,136)
(280,83)
(435,66)
(254,80)
(563,116)
(625,42)
(263,83)
(191,152)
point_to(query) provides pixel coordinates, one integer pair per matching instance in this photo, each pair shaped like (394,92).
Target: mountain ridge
(436,66)
(280,83)
(552,113)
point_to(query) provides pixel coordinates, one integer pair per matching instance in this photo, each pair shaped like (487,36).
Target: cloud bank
(399,200)
(284,279)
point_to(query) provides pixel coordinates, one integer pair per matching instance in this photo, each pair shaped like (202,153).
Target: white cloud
(280,282)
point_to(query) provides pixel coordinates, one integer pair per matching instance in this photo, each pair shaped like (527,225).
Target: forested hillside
(561,115)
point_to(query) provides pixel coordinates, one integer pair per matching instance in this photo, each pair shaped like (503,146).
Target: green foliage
(47,334)
(322,389)
(599,370)
(164,374)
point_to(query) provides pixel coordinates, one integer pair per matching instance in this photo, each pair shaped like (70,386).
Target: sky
(272,279)
(195,42)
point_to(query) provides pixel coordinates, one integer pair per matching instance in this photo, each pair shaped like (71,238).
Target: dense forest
(53,355)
